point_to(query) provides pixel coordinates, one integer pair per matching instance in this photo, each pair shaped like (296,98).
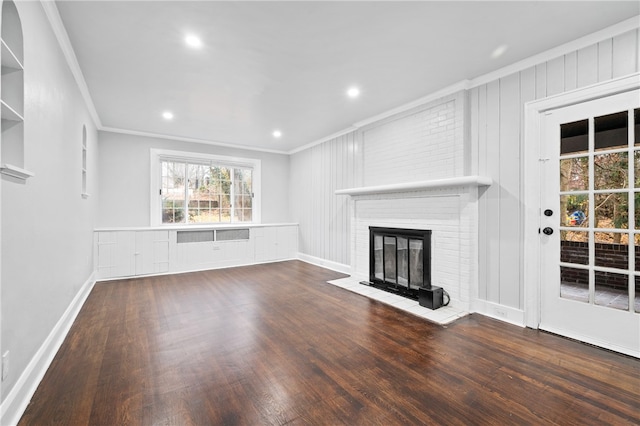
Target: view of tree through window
(205,193)
(608,166)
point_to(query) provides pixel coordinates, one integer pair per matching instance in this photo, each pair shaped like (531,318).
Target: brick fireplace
(447,207)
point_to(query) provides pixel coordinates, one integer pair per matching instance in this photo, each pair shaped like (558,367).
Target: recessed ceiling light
(167,115)
(499,51)
(353,92)
(277,133)
(193,41)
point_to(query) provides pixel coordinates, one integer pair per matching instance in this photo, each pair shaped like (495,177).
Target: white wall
(125,178)
(47,227)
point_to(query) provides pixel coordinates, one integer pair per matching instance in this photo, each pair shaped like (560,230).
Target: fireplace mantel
(471,181)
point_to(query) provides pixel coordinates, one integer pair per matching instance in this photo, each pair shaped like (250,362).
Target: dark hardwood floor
(274,344)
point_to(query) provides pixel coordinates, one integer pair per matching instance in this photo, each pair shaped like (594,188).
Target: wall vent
(232,234)
(194,236)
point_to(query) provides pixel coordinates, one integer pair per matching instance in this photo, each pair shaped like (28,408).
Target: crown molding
(51,10)
(323,140)
(60,32)
(193,140)
(447,91)
(572,46)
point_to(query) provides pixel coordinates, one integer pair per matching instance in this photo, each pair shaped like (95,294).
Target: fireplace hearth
(400,263)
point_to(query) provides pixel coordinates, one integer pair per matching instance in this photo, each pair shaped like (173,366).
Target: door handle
(547,231)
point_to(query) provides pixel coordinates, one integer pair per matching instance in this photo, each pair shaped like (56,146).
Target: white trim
(192,140)
(51,10)
(15,172)
(194,227)
(531,196)
(572,46)
(20,395)
(500,312)
(154,201)
(327,264)
(600,343)
(471,181)
(323,140)
(447,91)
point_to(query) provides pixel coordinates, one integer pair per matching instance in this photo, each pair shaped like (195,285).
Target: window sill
(193,227)
(15,172)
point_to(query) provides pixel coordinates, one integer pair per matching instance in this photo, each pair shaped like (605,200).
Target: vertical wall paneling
(492,217)
(587,66)
(541,81)
(605,60)
(625,54)
(479,110)
(323,216)
(527,94)
(555,76)
(472,135)
(570,71)
(510,211)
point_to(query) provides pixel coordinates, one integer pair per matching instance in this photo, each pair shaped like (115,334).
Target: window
(197,188)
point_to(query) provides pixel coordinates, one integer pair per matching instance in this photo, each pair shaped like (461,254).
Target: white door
(590,222)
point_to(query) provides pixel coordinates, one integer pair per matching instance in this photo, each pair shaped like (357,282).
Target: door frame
(533,139)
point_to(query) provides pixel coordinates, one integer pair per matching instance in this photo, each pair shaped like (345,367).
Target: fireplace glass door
(399,257)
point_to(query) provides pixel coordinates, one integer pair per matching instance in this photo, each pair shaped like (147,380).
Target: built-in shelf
(9,113)
(472,181)
(9,59)
(16,172)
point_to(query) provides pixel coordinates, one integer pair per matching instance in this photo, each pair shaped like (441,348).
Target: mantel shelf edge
(472,181)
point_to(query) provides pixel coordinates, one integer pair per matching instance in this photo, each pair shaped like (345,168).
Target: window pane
(612,250)
(636,122)
(636,243)
(612,290)
(637,168)
(574,137)
(637,298)
(574,209)
(173,192)
(611,131)
(225,215)
(574,284)
(574,247)
(574,174)
(611,171)
(611,211)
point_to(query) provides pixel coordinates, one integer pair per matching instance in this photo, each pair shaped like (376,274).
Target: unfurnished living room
(320,212)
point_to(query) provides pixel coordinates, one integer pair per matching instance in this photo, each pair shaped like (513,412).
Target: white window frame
(158,155)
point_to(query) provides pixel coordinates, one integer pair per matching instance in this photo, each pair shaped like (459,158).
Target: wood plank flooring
(274,344)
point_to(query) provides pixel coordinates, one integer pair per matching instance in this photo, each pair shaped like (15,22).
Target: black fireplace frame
(416,234)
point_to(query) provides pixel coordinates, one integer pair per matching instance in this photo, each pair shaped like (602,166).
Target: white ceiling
(287,65)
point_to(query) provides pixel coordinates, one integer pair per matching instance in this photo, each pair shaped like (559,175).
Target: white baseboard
(334,266)
(500,312)
(16,402)
(634,352)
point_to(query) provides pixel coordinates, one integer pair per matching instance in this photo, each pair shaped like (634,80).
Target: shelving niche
(12,94)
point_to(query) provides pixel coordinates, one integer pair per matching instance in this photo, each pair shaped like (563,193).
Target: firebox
(400,262)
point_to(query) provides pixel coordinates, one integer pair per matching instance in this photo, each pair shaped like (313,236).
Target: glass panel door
(590,223)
